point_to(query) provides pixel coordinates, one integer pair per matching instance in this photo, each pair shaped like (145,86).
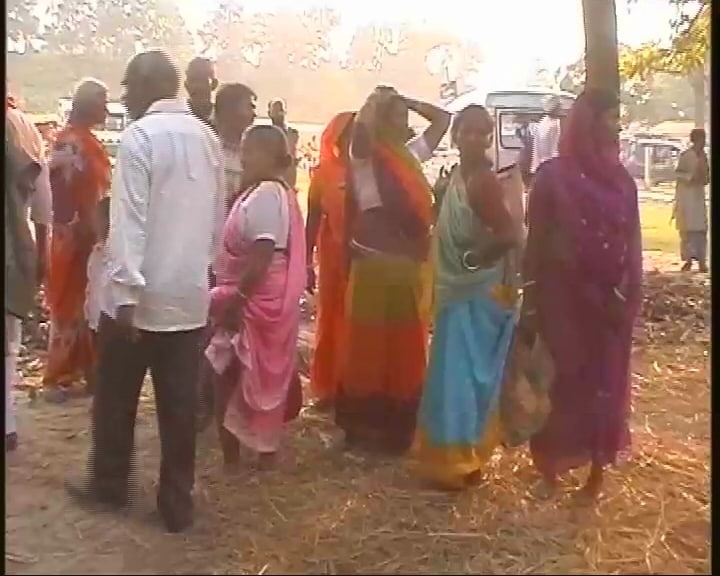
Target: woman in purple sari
(583,272)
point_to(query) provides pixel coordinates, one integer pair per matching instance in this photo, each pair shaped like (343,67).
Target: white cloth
(691,213)
(366,189)
(13,335)
(167,209)
(40,202)
(96,293)
(264,215)
(545,141)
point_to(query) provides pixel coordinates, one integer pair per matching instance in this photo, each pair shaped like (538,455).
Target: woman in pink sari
(254,311)
(583,273)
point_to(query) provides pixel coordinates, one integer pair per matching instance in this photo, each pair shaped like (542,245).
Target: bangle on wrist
(620,296)
(465,261)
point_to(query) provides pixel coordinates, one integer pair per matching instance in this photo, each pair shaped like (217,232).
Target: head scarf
(587,142)
(327,187)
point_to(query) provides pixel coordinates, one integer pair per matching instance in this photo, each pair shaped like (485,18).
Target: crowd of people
(191,258)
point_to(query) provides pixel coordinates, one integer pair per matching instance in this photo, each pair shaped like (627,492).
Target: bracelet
(620,295)
(242,296)
(528,283)
(470,267)
(529,313)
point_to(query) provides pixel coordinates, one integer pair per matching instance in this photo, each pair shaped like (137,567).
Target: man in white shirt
(166,216)
(546,136)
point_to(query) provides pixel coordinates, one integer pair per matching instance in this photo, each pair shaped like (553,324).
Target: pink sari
(261,357)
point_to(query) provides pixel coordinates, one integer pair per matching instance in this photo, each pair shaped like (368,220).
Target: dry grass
(325,511)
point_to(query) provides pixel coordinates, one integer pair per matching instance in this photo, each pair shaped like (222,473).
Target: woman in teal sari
(458,422)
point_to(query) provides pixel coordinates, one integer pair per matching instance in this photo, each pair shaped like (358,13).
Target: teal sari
(458,422)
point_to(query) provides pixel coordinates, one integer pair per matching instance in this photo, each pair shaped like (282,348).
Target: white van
(513,111)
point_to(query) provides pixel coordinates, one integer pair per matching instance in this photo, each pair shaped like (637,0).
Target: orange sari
(327,190)
(80,177)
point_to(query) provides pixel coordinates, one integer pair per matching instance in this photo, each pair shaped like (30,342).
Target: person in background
(200,83)
(234,113)
(690,208)
(458,421)
(582,292)
(255,310)
(546,135)
(21,260)
(389,286)
(277,111)
(166,211)
(327,229)
(80,177)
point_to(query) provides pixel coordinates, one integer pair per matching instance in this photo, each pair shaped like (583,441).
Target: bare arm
(439,121)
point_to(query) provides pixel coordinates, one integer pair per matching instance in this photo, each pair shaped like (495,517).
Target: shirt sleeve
(263,213)
(129,198)
(41,200)
(684,170)
(221,199)
(419,147)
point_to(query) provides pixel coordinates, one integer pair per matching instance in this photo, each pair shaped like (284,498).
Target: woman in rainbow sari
(458,421)
(389,288)
(255,306)
(80,178)
(326,227)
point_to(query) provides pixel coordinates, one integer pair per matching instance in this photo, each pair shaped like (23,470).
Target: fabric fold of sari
(261,358)
(80,178)
(328,190)
(584,242)
(458,421)
(388,315)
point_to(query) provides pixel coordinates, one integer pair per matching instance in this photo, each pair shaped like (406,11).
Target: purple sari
(583,249)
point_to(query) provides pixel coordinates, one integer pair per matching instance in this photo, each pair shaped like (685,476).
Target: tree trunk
(697,81)
(601,45)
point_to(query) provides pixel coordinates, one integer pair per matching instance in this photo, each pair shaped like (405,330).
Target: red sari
(80,177)
(327,189)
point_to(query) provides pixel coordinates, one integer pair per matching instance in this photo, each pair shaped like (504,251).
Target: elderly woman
(255,311)
(389,286)
(80,178)
(583,273)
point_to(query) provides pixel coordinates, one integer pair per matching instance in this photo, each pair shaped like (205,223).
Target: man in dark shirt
(277,111)
(200,83)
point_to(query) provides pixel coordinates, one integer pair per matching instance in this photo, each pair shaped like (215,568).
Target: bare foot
(546,488)
(589,494)
(266,460)
(475,478)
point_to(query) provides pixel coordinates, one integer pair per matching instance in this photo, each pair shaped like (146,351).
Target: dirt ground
(328,512)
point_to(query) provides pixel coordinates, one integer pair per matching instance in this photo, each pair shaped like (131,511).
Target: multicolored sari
(80,178)
(583,250)
(388,309)
(259,361)
(458,422)
(328,190)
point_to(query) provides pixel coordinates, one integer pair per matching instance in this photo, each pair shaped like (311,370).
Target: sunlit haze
(514,36)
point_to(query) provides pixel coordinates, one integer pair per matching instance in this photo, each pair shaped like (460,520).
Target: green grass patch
(658,233)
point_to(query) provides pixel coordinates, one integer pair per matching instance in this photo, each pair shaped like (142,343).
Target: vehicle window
(512,127)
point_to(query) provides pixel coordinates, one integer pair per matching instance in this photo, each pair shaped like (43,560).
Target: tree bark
(601,45)
(698,83)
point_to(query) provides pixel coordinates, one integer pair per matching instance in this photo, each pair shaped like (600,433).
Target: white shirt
(545,141)
(166,215)
(264,215)
(96,293)
(366,189)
